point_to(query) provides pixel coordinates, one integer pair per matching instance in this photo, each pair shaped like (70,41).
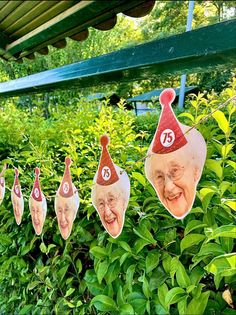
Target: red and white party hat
(66,187)
(36,191)
(169,136)
(107,174)
(16,185)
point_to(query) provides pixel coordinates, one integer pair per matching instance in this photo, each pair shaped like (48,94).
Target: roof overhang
(27,27)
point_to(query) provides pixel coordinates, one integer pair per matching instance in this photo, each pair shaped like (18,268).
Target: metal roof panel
(30,26)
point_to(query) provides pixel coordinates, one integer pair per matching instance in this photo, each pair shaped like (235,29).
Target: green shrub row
(158,265)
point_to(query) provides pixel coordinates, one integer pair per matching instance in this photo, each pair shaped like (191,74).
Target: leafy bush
(158,265)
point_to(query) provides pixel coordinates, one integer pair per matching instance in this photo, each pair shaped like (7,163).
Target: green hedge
(158,265)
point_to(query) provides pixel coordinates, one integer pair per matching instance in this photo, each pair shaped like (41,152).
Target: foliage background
(158,265)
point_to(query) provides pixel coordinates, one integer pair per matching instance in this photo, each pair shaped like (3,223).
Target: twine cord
(49,197)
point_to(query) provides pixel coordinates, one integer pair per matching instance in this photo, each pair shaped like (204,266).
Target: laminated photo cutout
(2,184)
(37,205)
(17,198)
(175,160)
(110,192)
(66,202)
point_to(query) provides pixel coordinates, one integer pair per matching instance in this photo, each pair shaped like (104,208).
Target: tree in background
(170,17)
(166,19)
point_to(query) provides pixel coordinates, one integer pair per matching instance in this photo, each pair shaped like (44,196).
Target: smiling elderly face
(18,206)
(110,202)
(66,209)
(38,214)
(175,175)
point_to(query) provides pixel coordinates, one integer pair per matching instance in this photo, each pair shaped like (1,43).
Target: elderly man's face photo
(66,209)
(17,207)
(111,205)
(38,213)
(175,175)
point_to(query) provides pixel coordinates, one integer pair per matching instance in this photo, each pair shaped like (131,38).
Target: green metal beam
(198,50)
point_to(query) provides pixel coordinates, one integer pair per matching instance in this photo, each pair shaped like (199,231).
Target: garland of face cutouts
(173,165)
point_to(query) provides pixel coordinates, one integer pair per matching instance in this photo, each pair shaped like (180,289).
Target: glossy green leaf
(26,309)
(231,203)
(188,115)
(112,272)
(181,276)
(162,291)
(222,231)
(62,272)
(102,270)
(120,296)
(215,166)
(223,265)
(210,249)
(139,177)
(174,296)
(33,284)
(43,248)
(125,246)
(145,287)
(152,260)
(226,149)
(166,262)
(145,234)
(138,301)
(69,292)
(182,306)
(5,239)
(198,305)
(173,268)
(193,225)
(190,240)
(98,252)
(104,303)
(129,276)
(139,245)
(222,121)
(126,309)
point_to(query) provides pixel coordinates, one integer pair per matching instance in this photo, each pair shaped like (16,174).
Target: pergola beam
(198,50)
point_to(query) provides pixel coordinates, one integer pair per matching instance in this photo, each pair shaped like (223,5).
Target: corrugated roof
(27,27)
(150,96)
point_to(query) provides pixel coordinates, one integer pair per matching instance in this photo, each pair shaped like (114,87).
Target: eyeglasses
(175,173)
(110,201)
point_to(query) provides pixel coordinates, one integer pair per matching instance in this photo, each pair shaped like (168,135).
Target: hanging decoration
(37,205)
(175,160)
(173,165)
(66,202)
(2,184)
(110,192)
(17,198)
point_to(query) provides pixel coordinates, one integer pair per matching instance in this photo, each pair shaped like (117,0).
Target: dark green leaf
(198,305)
(152,260)
(190,240)
(104,303)
(174,295)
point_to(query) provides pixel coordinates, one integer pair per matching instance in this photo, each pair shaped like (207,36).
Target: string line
(148,155)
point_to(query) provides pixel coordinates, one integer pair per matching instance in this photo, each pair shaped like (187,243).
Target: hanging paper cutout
(175,160)
(110,192)
(17,198)
(2,184)
(66,202)
(37,205)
